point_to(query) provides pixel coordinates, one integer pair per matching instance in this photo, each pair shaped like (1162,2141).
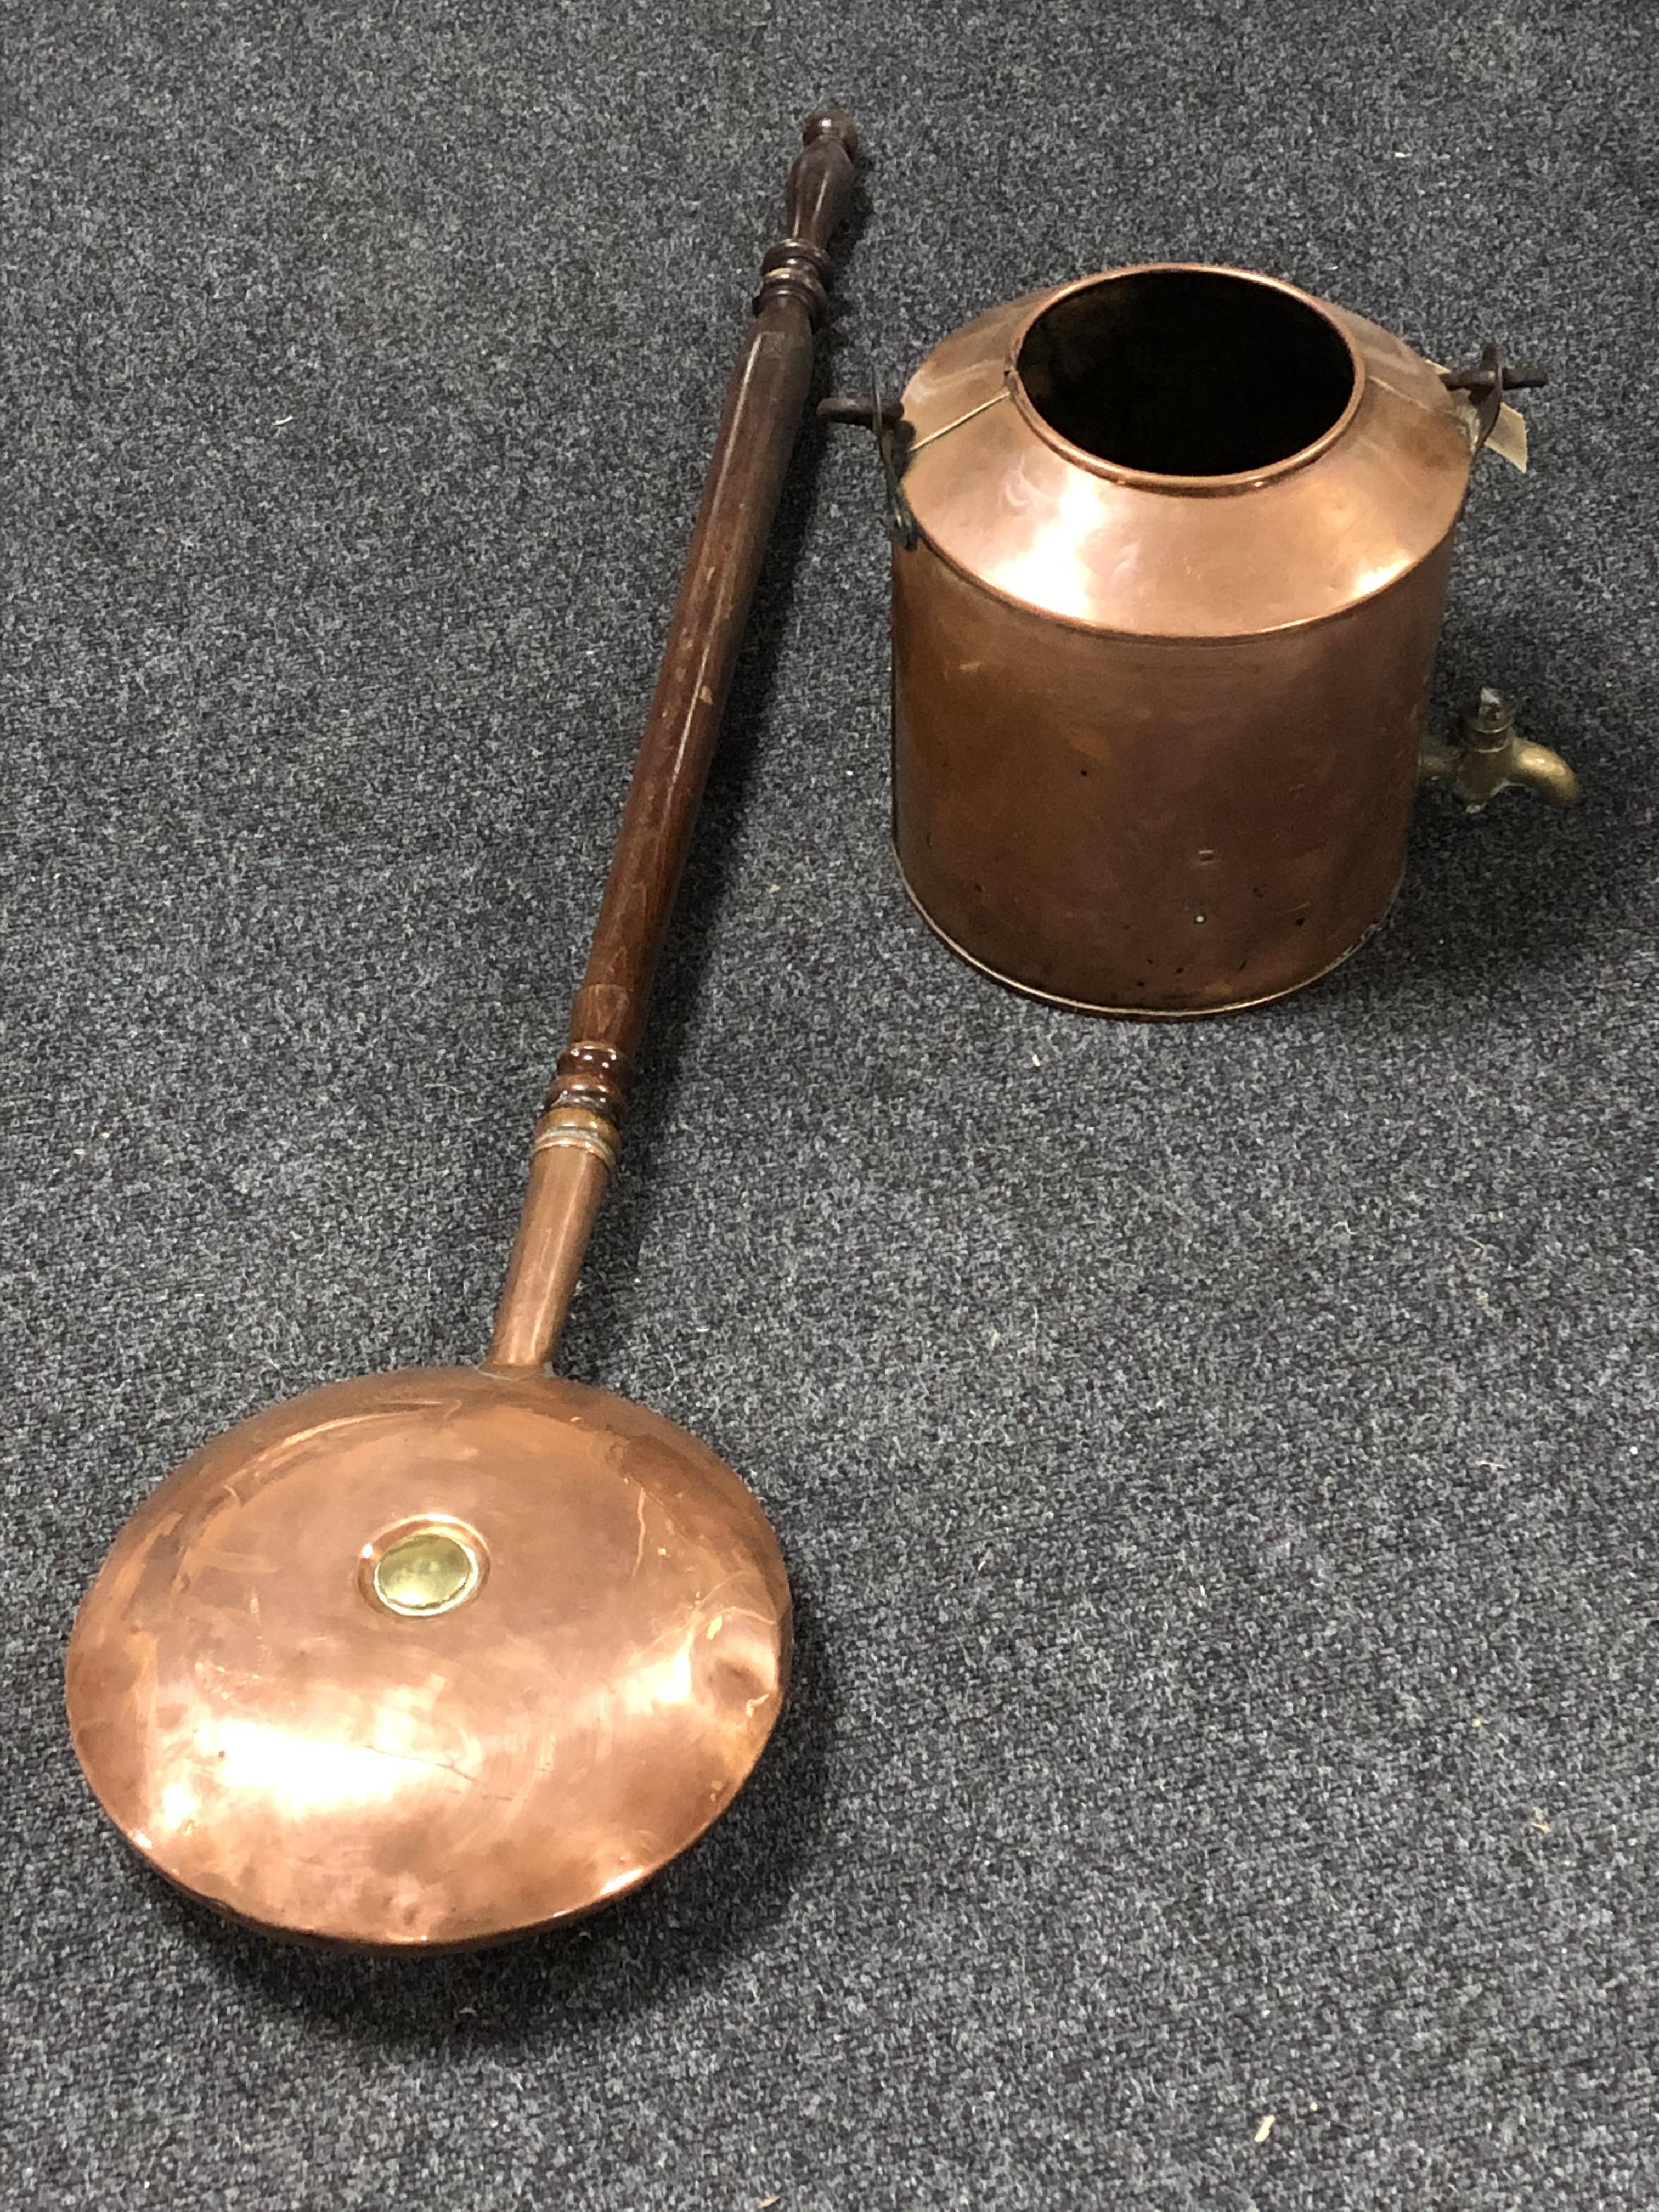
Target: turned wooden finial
(817,199)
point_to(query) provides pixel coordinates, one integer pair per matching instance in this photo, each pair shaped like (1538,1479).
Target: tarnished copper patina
(1170,559)
(434,1658)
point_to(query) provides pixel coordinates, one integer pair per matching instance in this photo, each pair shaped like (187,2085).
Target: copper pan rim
(1102,1013)
(1155,480)
(215,1912)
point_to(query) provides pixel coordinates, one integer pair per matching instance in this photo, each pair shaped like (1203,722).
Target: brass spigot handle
(1493,753)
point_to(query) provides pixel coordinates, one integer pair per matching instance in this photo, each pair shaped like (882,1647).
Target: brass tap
(1493,753)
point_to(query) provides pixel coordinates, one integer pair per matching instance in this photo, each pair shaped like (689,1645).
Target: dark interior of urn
(1187,371)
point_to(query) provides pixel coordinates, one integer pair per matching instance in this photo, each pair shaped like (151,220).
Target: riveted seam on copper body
(967,416)
(1221,642)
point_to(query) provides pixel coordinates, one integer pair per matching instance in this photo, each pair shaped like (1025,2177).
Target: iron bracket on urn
(1485,385)
(873,412)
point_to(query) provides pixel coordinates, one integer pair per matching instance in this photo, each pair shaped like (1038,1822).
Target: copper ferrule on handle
(571,1158)
(575,1145)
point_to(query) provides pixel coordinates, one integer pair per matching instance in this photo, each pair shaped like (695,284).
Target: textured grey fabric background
(1215,1462)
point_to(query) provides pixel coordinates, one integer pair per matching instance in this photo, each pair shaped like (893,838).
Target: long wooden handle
(574,1146)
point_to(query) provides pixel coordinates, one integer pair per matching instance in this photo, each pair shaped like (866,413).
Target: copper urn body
(1162,634)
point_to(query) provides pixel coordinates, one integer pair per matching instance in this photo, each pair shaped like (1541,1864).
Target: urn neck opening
(1202,377)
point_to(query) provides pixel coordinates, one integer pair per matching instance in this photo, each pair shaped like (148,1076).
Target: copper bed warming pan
(430,1659)
(1170,560)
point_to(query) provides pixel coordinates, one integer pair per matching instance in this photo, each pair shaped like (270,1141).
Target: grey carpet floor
(1217,1476)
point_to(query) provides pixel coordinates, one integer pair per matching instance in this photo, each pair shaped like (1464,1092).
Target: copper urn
(1169,565)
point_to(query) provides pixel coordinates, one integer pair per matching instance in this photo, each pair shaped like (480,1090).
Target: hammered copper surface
(1156,737)
(278,1743)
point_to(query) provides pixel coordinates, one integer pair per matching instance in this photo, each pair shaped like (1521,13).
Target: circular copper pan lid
(430,1658)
